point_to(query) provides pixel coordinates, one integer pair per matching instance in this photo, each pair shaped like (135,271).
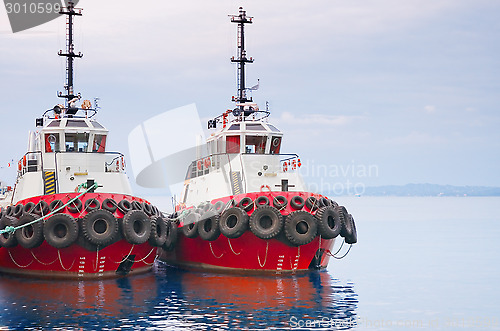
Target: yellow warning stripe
(50,182)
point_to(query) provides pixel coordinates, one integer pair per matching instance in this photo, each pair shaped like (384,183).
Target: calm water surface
(420,263)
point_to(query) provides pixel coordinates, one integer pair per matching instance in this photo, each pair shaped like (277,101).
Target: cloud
(317,119)
(430,109)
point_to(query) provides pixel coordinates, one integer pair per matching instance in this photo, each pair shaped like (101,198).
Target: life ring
(136,205)
(207,162)
(18,210)
(266,222)
(41,208)
(208,228)
(312,203)
(99,227)
(280,201)
(124,206)
(329,224)
(233,222)
(265,186)
(293,165)
(262,201)
(109,205)
(75,206)
(297,202)
(171,235)
(158,232)
(246,204)
(60,230)
(19,166)
(123,163)
(300,228)
(92,204)
(30,236)
(136,227)
(28,207)
(285,166)
(24,161)
(7,239)
(55,205)
(199,164)
(190,229)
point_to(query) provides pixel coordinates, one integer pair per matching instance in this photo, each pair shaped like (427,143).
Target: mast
(70,54)
(241,19)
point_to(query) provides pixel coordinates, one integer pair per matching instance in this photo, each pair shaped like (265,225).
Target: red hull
(249,253)
(246,254)
(80,260)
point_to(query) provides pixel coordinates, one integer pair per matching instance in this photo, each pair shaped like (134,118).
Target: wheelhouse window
(51,142)
(77,142)
(99,145)
(232,144)
(255,144)
(275,145)
(255,127)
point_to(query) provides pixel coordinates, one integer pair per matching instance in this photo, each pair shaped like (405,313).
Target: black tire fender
(233,222)
(300,228)
(18,210)
(312,203)
(266,222)
(75,207)
(124,206)
(172,233)
(109,205)
(30,236)
(208,228)
(60,230)
(7,239)
(280,201)
(297,202)
(136,227)
(261,201)
(158,232)
(56,204)
(41,208)
(28,207)
(92,204)
(99,227)
(246,204)
(329,224)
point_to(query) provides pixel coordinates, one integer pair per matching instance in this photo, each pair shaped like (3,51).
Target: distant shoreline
(427,190)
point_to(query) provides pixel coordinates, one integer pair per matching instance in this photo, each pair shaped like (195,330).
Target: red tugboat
(72,213)
(244,206)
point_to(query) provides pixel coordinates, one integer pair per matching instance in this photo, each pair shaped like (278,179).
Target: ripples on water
(170,298)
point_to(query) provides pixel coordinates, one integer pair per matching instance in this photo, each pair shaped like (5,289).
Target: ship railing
(204,165)
(30,162)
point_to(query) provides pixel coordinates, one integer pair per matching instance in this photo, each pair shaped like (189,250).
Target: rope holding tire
(92,204)
(280,201)
(55,205)
(109,205)
(246,204)
(7,239)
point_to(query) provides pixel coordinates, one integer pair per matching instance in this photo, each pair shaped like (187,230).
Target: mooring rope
(12,229)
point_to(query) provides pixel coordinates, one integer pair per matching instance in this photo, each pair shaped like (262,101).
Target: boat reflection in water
(171,298)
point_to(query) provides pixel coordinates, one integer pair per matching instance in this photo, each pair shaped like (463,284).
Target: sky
(373,92)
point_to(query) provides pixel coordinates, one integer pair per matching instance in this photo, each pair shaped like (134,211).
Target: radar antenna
(70,96)
(242,59)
